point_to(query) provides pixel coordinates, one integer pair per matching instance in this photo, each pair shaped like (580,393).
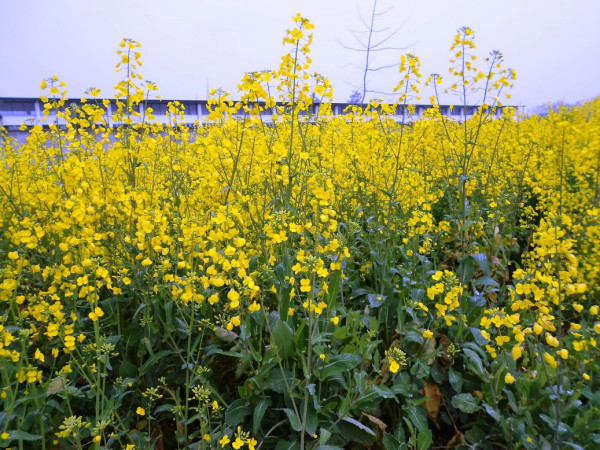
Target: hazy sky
(188,45)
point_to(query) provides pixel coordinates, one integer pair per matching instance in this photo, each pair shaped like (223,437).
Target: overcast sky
(554,45)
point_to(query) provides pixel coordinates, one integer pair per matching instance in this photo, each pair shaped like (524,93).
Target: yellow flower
(39,355)
(238,443)
(206,437)
(4,435)
(97,438)
(563,353)
(427,334)
(147,262)
(322,356)
(394,367)
(509,379)
(254,307)
(140,411)
(335,320)
(233,297)
(224,441)
(551,340)
(550,360)
(13,255)
(501,340)
(305,285)
(516,351)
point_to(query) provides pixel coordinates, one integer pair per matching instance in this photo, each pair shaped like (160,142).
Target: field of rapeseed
(313,282)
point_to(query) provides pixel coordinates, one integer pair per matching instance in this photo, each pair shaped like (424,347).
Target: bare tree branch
(371,41)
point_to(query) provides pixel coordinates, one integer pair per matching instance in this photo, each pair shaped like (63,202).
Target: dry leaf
(433,395)
(376,421)
(56,385)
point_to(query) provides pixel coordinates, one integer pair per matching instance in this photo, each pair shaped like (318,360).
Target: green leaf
(128,370)
(277,381)
(482,261)
(293,419)
(475,435)
(466,402)
(424,440)
(311,419)
(358,293)
(455,379)
(283,337)
(163,408)
(376,300)
(389,441)
(492,413)
(287,445)
(19,435)
(338,364)
(373,394)
(552,423)
(324,436)
(475,362)
(340,333)
(236,412)
(153,361)
(259,412)
(417,417)
(485,281)
(479,337)
(353,430)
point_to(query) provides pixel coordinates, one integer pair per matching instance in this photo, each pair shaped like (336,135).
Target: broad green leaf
(287,445)
(455,379)
(389,441)
(353,430)
(466,402)
(485,281)
(338,364)
(482,261)
(163,408)
(277,381)
(376,300)
(154,360)
(475,362)
(18,435)
(293,419)
(417,417)
(236,412)
(284,339)
(424,440)
(311,419)
(492,412)
(259,412)
(324,436)
(479,337)
(373,394)
(340,333)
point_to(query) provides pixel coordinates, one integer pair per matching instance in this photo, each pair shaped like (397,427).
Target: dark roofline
(204,102)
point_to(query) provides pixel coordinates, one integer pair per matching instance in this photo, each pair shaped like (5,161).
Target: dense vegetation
(316,282)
